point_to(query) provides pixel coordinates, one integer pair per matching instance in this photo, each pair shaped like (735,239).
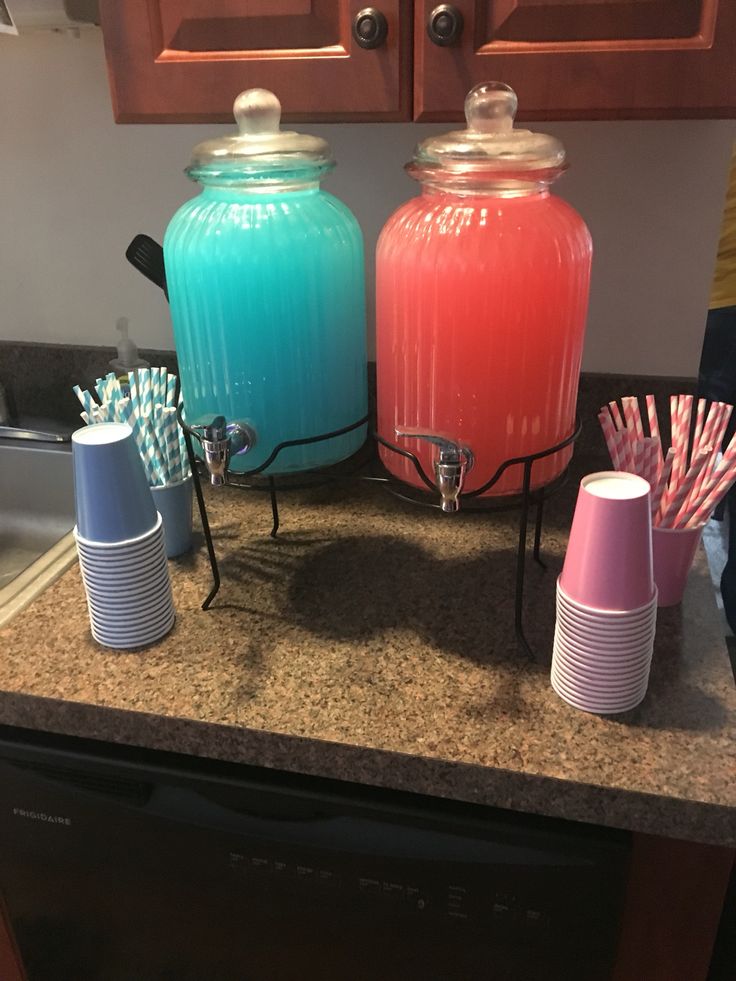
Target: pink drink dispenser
(481,301)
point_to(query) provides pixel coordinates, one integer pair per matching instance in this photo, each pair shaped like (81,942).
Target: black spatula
(147,256)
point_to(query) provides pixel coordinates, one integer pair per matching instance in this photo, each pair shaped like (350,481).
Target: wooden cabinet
(584,59)
(186,60)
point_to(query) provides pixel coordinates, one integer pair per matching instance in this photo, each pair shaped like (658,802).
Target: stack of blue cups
(120,540)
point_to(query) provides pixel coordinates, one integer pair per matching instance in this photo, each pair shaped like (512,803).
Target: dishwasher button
(416,899)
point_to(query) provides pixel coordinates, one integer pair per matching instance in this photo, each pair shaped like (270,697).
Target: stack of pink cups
(606,597)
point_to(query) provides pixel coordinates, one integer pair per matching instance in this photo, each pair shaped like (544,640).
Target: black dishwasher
(125,865)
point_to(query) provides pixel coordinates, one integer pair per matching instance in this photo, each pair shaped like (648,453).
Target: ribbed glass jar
(481,301)
(265,277)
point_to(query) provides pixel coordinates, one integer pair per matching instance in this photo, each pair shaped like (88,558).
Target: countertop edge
(688,820)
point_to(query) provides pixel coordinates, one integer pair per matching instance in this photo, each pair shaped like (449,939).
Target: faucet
(220,441)
(452,462)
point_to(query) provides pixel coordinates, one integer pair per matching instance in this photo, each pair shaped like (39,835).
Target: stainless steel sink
(36,519)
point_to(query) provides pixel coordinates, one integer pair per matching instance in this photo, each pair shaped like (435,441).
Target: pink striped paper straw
(719,487)
(686,408)
(610,434)
(614,410)
(622,448)
(661,487)
(636,457)
(674,430)
(679,440)
(719,432)
(682,492)
(651,467)
(631,434)
(713,413)
(629,413)
(699,422)
(713,435)
(633,415)
(654,422)
(710,493)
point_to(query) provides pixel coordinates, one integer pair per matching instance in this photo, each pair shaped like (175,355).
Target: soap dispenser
(128,358)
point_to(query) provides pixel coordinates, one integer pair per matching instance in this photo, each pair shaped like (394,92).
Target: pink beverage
(482,294)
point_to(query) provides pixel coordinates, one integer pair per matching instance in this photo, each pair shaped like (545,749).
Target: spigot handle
(450,467)
(449,449)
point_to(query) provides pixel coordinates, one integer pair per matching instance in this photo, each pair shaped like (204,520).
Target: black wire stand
(524,501)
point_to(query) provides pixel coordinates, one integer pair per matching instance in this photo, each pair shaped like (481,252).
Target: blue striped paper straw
(170,390)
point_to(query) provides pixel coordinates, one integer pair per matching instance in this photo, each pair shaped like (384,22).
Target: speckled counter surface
(373,642)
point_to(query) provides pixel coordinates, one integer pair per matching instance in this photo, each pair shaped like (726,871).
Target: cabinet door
(583,59)
(186,60)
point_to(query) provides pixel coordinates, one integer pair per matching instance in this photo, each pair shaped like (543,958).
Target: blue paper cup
(111,494)
(174,504)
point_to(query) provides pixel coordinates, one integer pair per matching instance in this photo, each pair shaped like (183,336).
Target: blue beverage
(266,285)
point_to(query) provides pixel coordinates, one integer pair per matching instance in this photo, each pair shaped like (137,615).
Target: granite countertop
(373,641)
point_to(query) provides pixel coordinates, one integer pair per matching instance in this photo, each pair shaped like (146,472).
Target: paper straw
(712,492)
(88,403)
(713,435)
(170,390)
(609,434)
(651,464)
(686,413)
(183,455)
(153,450)
(699,422)
(133,389)
(638,456)
(171,440)
(616,415)
(661,488)
(720,489)
(719,433)
(654,425)
(682,492)
(679,441)
(633,415)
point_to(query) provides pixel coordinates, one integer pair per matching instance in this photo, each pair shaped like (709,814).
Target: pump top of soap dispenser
(128,357)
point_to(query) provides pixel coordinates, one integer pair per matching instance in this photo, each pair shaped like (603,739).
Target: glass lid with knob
(260,152)
(490,148)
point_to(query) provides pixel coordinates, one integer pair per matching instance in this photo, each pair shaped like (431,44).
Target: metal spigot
(452,463)
(220,441)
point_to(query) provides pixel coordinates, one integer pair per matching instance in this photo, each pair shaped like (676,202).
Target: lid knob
(257,113)
(490,108)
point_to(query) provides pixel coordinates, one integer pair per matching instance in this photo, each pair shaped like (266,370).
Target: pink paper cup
(673,550)
(608,565)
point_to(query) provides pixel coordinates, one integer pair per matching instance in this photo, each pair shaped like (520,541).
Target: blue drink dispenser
(266,286)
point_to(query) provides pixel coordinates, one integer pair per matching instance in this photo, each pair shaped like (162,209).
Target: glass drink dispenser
(481,301)
(266,285)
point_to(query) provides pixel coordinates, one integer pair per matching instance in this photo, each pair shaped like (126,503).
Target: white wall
(76,188)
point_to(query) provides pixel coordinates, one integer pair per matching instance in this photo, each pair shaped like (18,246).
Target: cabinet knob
(445,25)
(370,28)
